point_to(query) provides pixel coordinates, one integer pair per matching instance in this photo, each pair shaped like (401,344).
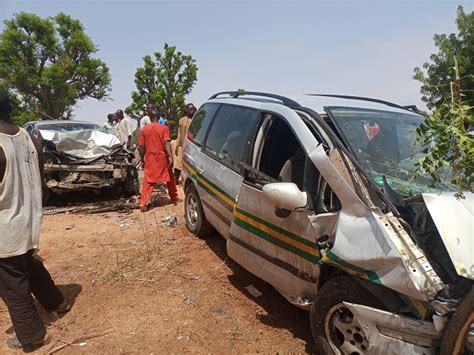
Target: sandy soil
(139,286)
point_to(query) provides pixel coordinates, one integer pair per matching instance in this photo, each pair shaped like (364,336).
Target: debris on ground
(121,205)
(253,291)
(170,221)
(188,300)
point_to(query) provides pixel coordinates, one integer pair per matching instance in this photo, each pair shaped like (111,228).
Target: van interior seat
(293,169)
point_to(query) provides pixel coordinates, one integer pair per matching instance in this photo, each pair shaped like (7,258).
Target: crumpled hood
(454,219)
(87,143)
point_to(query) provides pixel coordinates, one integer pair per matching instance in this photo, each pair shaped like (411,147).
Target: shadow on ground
(70,293)
(280,313)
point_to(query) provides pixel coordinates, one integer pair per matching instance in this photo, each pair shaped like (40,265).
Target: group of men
(21,175)
(121,126)
(158,154)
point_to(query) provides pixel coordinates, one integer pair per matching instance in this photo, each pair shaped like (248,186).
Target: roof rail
(235,94)
(362,98)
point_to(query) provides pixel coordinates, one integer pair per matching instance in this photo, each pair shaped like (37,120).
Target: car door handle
(199,169)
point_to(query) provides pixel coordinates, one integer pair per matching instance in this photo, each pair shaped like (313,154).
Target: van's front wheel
(335,328)
(196,221)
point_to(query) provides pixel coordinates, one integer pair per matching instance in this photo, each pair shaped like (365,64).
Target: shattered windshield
(67,127)
(384,143)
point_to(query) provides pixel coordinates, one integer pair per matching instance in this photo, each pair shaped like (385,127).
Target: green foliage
(165,81)
(48,63)
(449,145)
(439,72)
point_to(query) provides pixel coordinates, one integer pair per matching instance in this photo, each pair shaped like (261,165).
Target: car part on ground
(121,205)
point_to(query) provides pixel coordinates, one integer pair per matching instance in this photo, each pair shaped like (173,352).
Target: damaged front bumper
(65,177)
(390,333)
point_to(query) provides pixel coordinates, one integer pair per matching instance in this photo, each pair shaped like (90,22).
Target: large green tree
(437,74)
(164,80)
(49,64)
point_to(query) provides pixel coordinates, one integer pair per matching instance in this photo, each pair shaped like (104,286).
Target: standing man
(124,129)
(146,119)
(155,151)
(184,123)
(21,171)
(109,126)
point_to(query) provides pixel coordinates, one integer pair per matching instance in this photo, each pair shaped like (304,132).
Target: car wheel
(335,328)
(458,329)
(196,221)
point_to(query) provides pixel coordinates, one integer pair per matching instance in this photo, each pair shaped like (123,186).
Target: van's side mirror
(285,195)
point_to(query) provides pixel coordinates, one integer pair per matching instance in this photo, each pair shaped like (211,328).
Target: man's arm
(179,138)
(141,151)
(130,133)
(169,153)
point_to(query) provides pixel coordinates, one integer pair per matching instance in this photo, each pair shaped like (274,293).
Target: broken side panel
(369,244)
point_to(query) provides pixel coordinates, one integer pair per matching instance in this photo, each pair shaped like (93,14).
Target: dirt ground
(139,286)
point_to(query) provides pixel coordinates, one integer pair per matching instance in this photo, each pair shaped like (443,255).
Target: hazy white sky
(288,47)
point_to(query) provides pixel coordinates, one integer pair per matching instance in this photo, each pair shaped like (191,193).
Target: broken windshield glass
(384,143)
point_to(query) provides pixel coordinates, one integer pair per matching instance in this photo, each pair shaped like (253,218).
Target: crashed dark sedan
(80,157)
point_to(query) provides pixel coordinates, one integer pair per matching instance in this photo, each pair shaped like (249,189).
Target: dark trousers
(20,276)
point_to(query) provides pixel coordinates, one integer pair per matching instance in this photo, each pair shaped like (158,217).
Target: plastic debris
(253,291)
(170,221)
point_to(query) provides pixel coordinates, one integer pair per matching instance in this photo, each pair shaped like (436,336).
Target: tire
(332,324)
(458,327)
(196,221)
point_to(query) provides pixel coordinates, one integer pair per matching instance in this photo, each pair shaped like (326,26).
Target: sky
(366,48)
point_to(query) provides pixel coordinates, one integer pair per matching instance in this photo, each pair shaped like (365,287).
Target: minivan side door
(277,246)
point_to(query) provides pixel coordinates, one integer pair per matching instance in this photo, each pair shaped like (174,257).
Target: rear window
(229,133)
(200,123)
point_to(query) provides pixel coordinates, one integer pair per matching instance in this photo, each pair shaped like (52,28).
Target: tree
(164,81)
(49,65)
(439,72)
(448,88)
(446,135)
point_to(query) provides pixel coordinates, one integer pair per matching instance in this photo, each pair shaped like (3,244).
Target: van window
(200,123)
(288,162)
(229,133)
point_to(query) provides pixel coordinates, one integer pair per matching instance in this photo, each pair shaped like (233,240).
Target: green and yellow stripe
(277,236)
(215,191)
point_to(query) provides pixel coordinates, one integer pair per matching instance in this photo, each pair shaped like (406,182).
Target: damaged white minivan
(316,196)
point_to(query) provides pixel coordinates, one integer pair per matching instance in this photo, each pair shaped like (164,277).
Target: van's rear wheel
(196,221)
(335,328)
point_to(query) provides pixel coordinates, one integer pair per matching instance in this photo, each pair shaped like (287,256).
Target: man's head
(5,107)
(190,110)
(119,115)
(149,107)
(111,117)
(153,114)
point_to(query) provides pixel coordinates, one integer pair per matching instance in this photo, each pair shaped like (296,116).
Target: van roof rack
(235,94)
(363,98)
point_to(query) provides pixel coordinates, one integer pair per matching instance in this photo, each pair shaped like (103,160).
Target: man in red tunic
(155,150)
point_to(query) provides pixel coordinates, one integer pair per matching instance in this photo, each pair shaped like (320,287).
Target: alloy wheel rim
(344,332)
(192,210)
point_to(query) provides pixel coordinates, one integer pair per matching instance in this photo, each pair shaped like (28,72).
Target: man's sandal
(14,343)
